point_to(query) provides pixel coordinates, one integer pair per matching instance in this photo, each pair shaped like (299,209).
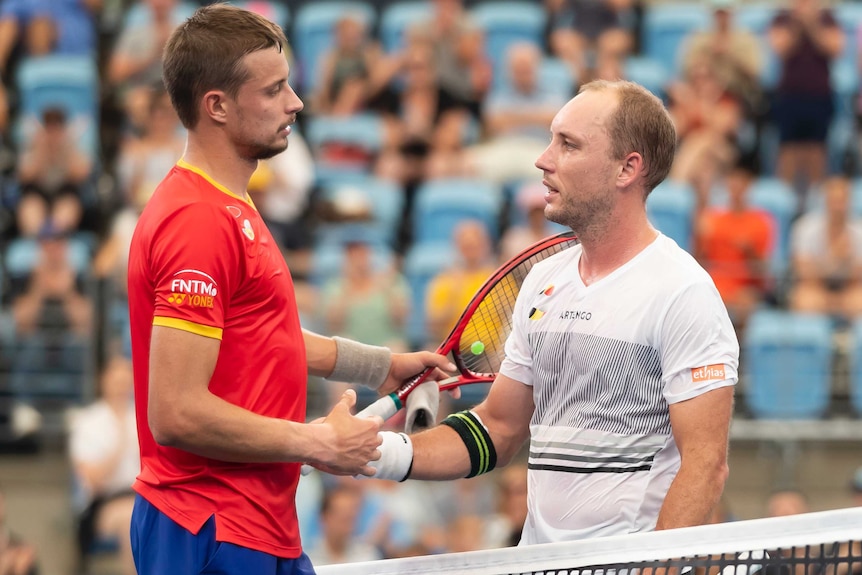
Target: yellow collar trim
(182,163)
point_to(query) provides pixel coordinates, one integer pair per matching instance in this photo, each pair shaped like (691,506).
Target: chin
(265,153)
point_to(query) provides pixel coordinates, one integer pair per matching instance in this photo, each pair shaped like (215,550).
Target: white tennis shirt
(604,361)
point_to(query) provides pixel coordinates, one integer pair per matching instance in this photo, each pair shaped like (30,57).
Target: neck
(208,152)
(619,242)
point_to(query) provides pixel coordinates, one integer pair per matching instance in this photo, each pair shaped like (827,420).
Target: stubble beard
(587,218)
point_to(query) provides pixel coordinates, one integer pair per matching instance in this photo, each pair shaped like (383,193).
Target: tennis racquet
(477,341)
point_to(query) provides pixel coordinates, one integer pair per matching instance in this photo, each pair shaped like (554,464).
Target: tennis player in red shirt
(220,359)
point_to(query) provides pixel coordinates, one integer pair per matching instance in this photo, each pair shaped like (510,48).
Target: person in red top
(734,244)
(220,359)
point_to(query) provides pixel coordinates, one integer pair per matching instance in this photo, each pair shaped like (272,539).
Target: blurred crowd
(410,178)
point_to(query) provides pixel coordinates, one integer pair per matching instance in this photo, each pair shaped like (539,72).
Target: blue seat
(362,133)
(670,208)
(554,74)
(397,18)
(849,17)
(327,260)
(650,73)
(788,365)
(67,82)
(441,204)
(856,367)
(139,13)
(755,17)
(666,26)
(421,263)
(22,254)
(506,22)
(313,33)
(276,12)
(385,197)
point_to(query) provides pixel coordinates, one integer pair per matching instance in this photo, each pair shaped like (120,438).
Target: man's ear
(630,170)
(215,106)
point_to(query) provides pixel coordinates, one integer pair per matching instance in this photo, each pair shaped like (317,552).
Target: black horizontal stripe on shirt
(567,469)
(587,459)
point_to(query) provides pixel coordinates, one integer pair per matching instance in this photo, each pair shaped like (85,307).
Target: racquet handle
(385,407)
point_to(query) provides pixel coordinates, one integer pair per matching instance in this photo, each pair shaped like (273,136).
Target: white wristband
(396,456)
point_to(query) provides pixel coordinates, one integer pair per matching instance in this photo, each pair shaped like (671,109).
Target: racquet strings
(491,323)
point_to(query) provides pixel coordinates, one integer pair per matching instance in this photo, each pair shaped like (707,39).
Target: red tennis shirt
(203,261)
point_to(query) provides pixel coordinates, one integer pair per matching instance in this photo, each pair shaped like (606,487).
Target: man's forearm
(440,455)
(692,496)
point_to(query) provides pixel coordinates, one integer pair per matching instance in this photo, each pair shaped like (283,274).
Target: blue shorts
(162,547)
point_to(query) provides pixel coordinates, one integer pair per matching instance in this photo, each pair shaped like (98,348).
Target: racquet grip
(385,407)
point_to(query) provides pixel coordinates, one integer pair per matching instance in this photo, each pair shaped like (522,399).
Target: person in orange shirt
(734,244)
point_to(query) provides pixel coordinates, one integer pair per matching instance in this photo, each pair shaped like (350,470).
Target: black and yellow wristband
(483,456)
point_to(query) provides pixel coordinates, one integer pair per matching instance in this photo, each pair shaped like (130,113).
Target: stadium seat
(328,258)
(139,13)
(441,204)
(274,11)
(386,199)
(665,27)
(67,82)
(22,254)
(397,18)
(506,22)
(788,360)
(670,208)
(554,74)
(648,72)
(313,33)
(849,16)
(421,263)
(755,17)
(344,144)
(856,367)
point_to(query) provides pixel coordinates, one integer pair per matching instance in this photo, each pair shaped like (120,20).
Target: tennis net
(823,543)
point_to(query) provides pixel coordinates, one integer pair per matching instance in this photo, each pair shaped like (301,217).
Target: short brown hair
(640,124)
(205,53)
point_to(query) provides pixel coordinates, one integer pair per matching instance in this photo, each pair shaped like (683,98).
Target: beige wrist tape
(356,362)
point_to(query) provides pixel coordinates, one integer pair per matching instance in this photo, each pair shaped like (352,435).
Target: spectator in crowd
(451,290)
(339,511)
(142,163)
(787,502)
(418,126)
(52,171)
(464,72)
(734,244)
(364,303)
(530,201)
(516,121)
(826,252)
(51,314)
(42,27)
(136,60)
(16,556)
(734,55)
(856,487)
(583,31)
(707,117)
(103,446)
(281,189)
(807,38)
(353,72)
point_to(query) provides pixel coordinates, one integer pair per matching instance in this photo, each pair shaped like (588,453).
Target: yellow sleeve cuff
(196,328)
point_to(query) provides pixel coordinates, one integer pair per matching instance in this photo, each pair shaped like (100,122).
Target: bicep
(506,412)
(701,425)
(181,365)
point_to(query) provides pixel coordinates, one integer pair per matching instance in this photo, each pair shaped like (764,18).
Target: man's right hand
(348,442)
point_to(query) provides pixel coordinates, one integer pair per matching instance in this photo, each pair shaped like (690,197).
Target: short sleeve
(195,264)
(518,363)
(699,350)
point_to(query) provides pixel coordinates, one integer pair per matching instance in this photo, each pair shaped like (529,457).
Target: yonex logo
(193,288)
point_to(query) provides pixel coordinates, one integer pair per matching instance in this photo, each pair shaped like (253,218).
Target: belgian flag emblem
(536,313)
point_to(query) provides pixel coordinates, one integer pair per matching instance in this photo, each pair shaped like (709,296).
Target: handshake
(358,447)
